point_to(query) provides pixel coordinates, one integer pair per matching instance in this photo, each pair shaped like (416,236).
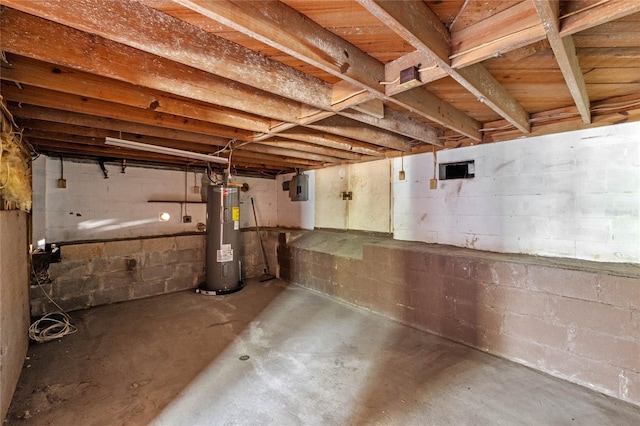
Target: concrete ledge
(575,319)
(354,245)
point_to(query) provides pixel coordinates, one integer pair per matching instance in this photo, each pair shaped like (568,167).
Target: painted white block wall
(330,208)
(370,206)
(574,194)
(92,207)
(263,192)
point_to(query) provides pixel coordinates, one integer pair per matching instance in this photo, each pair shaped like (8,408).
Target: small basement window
(458,170)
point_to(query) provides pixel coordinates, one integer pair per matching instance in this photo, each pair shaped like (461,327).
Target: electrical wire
(348,97)
(51,327)
(390,82)
(428,68)
(311,114)
(54,325)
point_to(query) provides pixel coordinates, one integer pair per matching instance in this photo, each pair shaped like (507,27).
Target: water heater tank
(222,261)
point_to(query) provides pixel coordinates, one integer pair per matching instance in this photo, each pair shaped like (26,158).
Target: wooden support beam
(52,146)
(51,99)
(67,80)
(413,21)
(519,26)
(309,147)
(597,13)
(91,146)
(83,105)
(64,122)
(348,95)
(429,71)
(33,117)
(281,27)
(344,127)
(565,53)
(331,141)
(195,48)
(79,149)
(507,30)
(292,153)
(404,125)
(53,116)
(477,80)
(405,19)
(419,97)
(23,35)
(43,130)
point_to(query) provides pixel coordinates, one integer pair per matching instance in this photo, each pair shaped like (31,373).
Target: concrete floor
(175,360)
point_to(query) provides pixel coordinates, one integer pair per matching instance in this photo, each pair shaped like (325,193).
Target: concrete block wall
(574,194)
(573,319)
(99,273)
(252,262)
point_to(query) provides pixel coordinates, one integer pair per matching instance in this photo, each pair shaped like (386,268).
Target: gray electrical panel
(299,188)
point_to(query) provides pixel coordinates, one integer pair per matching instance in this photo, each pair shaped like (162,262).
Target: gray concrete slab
(176,360)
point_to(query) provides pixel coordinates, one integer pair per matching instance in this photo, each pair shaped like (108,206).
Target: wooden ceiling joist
(108,59)
(565,52)
(300,84)
(283,28)
(330,141)
(407,20)
(195,48)
(26,35)
(63,79)
(73,103)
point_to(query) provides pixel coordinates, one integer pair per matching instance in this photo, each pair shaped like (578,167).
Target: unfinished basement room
(320,212)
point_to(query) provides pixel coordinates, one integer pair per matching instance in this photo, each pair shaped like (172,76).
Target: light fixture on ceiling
(164,150)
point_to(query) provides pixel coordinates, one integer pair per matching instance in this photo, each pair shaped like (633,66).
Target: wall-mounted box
(299,188)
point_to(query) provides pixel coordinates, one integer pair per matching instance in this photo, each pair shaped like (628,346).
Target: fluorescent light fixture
(164,150)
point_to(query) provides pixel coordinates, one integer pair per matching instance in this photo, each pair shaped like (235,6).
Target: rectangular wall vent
(458,170)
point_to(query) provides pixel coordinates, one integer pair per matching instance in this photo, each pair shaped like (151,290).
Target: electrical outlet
(186,219)
(62,183)
(433,183)
(196,189)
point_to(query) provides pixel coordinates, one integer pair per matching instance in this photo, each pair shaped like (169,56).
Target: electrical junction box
(409,74)
(299,188)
